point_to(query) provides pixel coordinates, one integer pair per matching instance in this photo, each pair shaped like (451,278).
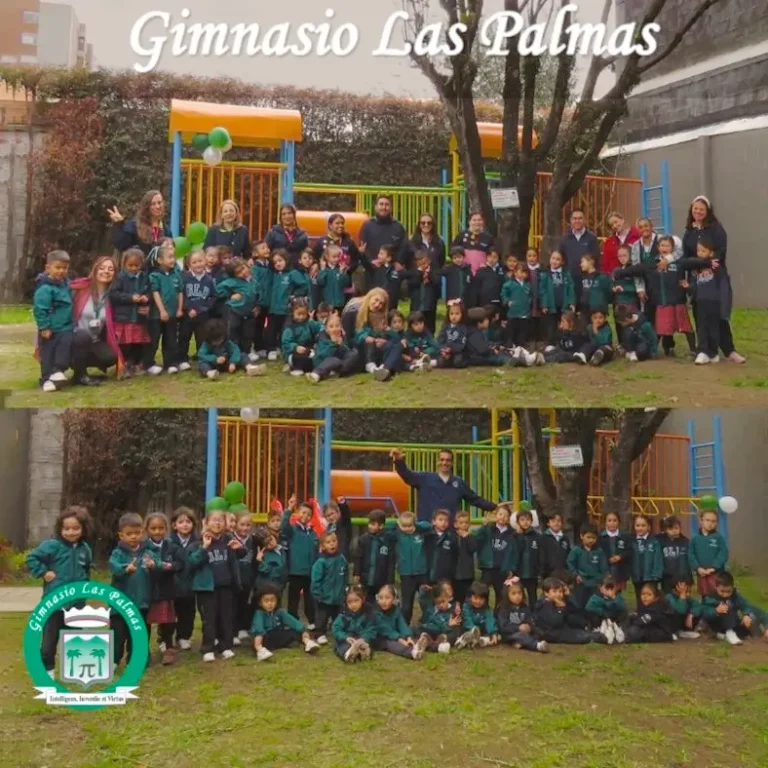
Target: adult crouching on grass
(229,230)
(438,490)
(288,236)
(94,342)
(146,229)
(702,224)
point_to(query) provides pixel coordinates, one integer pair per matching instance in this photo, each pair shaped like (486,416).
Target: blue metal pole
(666,205)
(644,180)
(717,460)
(176,186)
(692,469)
(212,453)
(326,449)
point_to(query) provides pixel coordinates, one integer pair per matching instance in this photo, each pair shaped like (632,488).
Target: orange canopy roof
(248,126)
(490,139)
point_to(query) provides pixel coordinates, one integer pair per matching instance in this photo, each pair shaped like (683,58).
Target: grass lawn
(700,704)
(12,314)
(661,383)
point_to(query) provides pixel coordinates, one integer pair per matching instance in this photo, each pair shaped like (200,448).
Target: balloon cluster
(213,145)
(231,501)
(711,503)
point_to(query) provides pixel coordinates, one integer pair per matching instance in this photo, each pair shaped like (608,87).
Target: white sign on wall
(505,198)
(566,456)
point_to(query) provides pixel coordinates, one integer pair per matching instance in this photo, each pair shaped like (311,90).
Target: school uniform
(296,335)
(238,313)
(486,286)
(707,551)
(52,310)
(199,293)
(277,629)
(640,338)
(243,605)
(511,618)
(328,587)
(342,529)
(386,277)
(411,558)
(374,563)
(391,627)
(131,328)
(566,344)
(555,548)
(482,618)
(184,596)
(599,607)
(442,551)
(71,563)
(236,239)
(284,285)
(424,289)
(529,562)
(360,625)
(350,254)
(589,564)
(596,293)
(272,569)
(332,284)
(627,296)
(422,344)
(458,282)
(209,354)
(647,565)
(738,607)
(602,340)
(389,356)
(302,552)
(262,273)
(651,624)
(681,610)
(294,241)
(481,352)
(617,544)
(517,297)
(559,295)
(437,624)
(334,357)
(551,625)
(169,286)
(216,580)
(497,556)
(537,277)
(464,572)
(453,338)
(675,564)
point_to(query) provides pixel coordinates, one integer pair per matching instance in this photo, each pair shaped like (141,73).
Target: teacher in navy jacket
(439,490)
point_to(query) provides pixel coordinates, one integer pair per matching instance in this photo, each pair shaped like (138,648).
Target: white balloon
(212,156)
(728,504)
(249,415)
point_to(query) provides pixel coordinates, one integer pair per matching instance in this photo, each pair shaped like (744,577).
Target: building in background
(704,110)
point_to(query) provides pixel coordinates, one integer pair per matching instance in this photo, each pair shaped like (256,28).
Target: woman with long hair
(621,234)
(476,241)
(228,230)
(287,235)
(425,239)
(146,229)
(338,236)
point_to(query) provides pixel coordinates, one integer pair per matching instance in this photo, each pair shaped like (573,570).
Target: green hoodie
(606,608)
(138,584)
(422,342)
(368,330)
(332,282)
(358,625)
(646,563)
(272,567)
(602,337)
(684,606)
(591,564)
(208,354)
(299,335)
(284,286)
(52,306)
(410,547)
(169,286)
(479,617)
(517,297)
(391,624)
(302,546)
(264,622)
(262,274)
(329,579)
(708,551)
(327,348)
(736,603)
(248,290)
(70,562)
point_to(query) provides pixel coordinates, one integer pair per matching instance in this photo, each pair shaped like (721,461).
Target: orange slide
(366,490)
(315,223)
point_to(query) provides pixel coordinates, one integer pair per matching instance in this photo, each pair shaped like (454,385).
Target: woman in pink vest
(476,242)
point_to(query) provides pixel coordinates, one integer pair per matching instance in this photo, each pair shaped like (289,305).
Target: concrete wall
(46,473)
(14,458)
(745,434)
(731,170)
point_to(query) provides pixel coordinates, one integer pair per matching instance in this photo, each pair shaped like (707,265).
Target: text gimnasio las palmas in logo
(86,645)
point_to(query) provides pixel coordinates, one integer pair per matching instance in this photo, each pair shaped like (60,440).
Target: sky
(109,24)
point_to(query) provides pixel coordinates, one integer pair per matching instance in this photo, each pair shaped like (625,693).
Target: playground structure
(274,458)
(260,187)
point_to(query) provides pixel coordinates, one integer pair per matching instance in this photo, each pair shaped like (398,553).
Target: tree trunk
(537,459)
(553,216)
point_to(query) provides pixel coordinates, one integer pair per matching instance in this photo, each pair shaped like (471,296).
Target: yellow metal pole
(517,475)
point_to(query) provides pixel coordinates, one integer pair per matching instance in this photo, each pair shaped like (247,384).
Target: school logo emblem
(86,647)
(455,483)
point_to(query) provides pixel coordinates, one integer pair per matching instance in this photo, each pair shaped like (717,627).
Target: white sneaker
(57,376)
(416,654)
(618,633)
(311,646)
(353,652)
(313,377)
(444,648)
(735,357)
(236,642)
(297,372)
(421,645)
(154,370)
(549,348)
(227,654)
(701,359)
(162,647)
(255,370)
(263,654)
(581,357)
(720,636)
(370,367)
(365,651)
(184,366)
(242,635)
(484,642)
(542,646)
(214,374)
(675,638)
(733,638)
(540,359)
(610,635)
(287,367)
(253,357)
(715,359)
(530,358)
(432,363)
(209,656)
(272,356)
(311,627)
(463,640)
(322,640)
(632,357)
(49,386)
(172,369)
(185,645)
(688,635)
(261,354)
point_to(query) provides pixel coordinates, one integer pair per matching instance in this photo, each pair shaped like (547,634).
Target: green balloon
(238,508)
(201,142)
(216,504)
(196,232)
(234,492)
(219,138)
(707,502)
(183,246)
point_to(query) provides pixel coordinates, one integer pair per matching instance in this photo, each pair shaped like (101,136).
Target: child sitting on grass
(638,339)
(687,611)
(567,342)
(478,621)
(550,618)
(654,621)
(441,623)
(599,346)
(333,356)
(354,629)
(452,338)
(219,355)
(422,346)
(516,621)
(393,633)
(730,615)
(299,339)
(607,610)
(273,627)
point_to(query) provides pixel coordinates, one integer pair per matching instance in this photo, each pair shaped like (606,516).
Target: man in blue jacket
(578,241)
(441,489)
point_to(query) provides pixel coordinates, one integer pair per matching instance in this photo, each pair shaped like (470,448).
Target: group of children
(241,311)
(235,577)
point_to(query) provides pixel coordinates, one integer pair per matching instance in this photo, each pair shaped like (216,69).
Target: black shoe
(87,381)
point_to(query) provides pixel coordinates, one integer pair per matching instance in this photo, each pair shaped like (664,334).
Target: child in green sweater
(708,552)
(355,628)
(687,611)
(588,565)
(607,610)
(273,628)
(328,584)
(393,633)
(730,615)
(599,346)
(478,621)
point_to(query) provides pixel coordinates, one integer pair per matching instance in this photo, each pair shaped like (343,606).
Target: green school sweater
(391,624)
(52,306)
(517,297)
(302,546)
(329,579)
(299,335)
(70,562)
(409,547)
(169,286)
(136,585)
(248,290)
(209,354)
(591,564)
(264,622)
(708,551)
(332,282)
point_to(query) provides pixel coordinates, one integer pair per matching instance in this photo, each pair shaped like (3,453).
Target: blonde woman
(366,318)
(228,230)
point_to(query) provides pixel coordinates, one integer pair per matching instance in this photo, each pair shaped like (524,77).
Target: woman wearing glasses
(427,240)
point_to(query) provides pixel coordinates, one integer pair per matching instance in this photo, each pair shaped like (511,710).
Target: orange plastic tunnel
(315,223)
(368,490)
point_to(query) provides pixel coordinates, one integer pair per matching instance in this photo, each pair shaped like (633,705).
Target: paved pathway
(19,599)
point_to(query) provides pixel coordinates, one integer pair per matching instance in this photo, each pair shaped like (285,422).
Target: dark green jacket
(735,603)
(208,354)
(605,607)
(332,283)
(647,562)
(302,546)
(423,342)
(329,579)
(368,330)
(264,622)
(529,554)
(327,348)
(262,274)
(70,562)
(620,546)
(496,549)
(169,286)
(137,585)
(603,337)
(357,625)
(591,564)
(52,306)
(684,607)
(272,567)
(391,624)
(299,335)
(709,551)
(248,291)
(285,285)
(645,330)
(479,617)
(596,292)
(183,579)
(559,291)
(410,547)
(517,297)
(436,622)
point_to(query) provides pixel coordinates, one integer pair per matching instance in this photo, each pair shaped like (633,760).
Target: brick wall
(46,474)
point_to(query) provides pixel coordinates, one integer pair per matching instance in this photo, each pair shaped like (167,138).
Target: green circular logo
(86,647)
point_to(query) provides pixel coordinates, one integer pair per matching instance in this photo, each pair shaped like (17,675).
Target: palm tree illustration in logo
(98,654)
(72,655)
